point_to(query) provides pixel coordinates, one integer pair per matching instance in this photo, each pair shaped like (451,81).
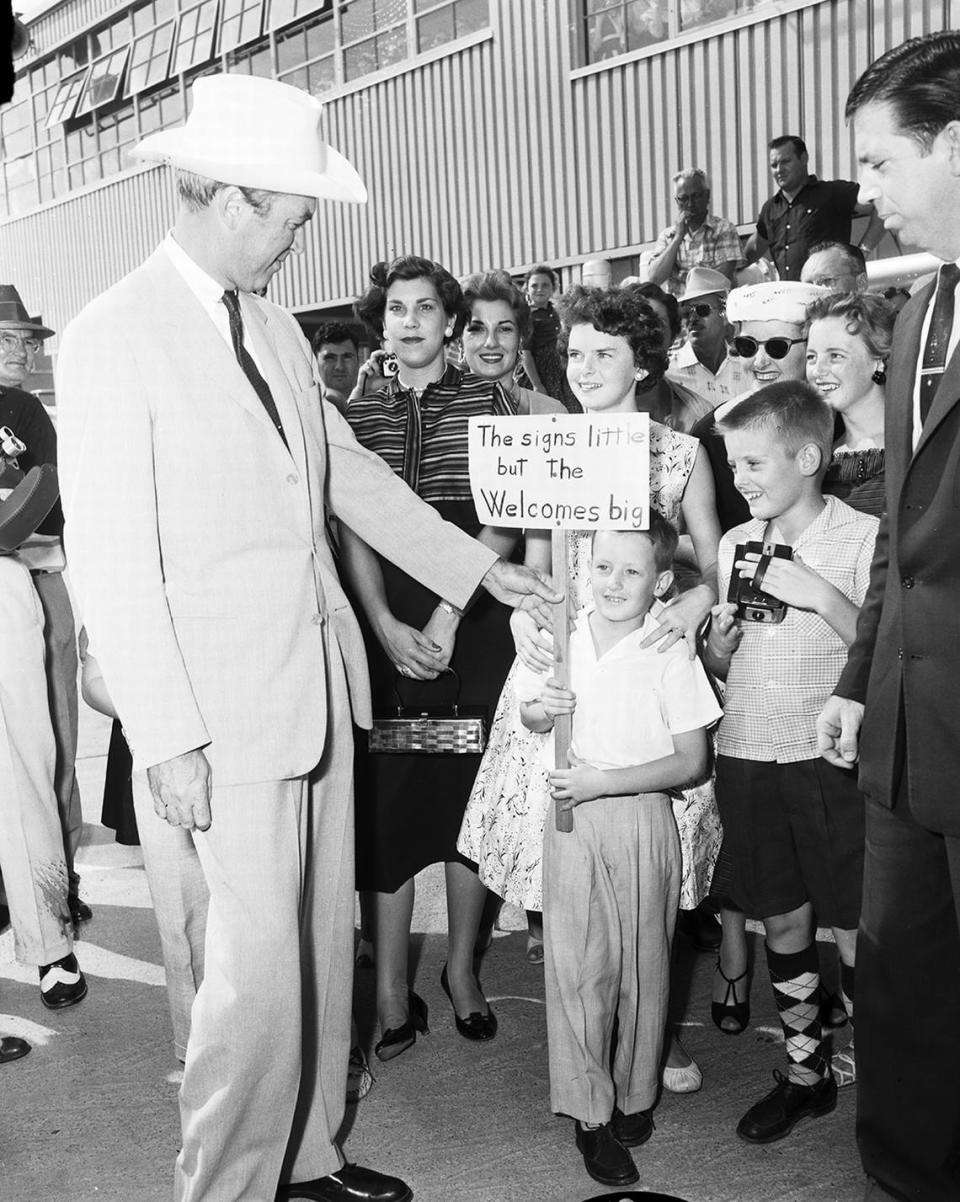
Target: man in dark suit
(898,701)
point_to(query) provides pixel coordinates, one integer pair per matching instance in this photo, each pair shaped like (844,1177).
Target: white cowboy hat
(258,133)
(704,281)
(782,300)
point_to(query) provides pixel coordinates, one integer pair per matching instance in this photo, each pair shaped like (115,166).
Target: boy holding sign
(611,886)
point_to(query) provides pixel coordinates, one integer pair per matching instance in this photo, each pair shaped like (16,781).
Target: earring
(879,376)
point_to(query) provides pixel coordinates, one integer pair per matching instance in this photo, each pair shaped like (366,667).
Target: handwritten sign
(562,471)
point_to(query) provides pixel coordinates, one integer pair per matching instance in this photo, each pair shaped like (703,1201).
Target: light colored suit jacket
(905,662)
(196,540)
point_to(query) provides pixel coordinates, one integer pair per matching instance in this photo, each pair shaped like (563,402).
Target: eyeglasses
(690,197)
(703,309)
(776,348)
(10,342)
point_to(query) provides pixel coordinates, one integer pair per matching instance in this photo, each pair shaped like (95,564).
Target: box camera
(754,605)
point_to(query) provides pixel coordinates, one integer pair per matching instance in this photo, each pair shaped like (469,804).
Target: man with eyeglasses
(839,266)
(701,362)
(805,210)
(698,238)
(21,412)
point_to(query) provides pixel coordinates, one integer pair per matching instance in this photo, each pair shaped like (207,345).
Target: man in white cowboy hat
(209,589)
(21,339)
(701,362)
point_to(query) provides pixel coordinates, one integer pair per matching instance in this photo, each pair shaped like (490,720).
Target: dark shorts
(795,835)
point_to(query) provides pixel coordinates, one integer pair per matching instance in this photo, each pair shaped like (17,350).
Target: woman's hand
(441,629)
(534,644)
(412,653)
(371,369)
(682,619)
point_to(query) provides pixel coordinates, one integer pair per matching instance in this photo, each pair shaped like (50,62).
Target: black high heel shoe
(398,1039)
(476,1026)
(736,1012)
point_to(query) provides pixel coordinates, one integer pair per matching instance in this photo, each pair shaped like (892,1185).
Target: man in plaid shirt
(698,239)
(792,822)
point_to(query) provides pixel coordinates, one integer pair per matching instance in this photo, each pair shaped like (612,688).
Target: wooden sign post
(562,472)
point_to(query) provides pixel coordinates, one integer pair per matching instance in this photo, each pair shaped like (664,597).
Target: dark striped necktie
(245,359)
(938,337)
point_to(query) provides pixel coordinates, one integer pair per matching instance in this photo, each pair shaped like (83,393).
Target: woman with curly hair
(409,807)
(614,344)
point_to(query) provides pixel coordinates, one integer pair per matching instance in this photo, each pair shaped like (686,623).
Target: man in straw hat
(209,589)
(21,339)
(701,362)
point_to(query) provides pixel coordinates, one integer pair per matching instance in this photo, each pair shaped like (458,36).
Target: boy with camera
(795,577)
(611,886)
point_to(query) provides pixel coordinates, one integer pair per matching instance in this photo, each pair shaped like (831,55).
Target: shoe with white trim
(62,983)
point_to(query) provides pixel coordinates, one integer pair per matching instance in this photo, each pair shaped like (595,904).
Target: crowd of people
(788,612)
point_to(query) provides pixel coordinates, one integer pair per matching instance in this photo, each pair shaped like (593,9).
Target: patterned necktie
(938,337)
(244,358)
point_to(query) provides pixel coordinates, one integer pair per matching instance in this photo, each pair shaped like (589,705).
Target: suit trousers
(180,897)
(60,638)
(908,1008)
(611,888)
(31,845)
(265,1079)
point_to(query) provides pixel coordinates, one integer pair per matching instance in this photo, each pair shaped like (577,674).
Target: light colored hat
(13,313)
(258,133)
(704,281)
(781,300)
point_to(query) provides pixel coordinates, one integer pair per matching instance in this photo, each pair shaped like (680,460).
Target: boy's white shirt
(630,700)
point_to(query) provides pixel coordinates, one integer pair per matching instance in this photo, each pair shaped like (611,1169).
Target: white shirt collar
(203,286)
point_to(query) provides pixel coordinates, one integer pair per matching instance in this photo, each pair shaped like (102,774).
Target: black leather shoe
(12,1047)
(632,1130)
(604,1156)
(62,983)
(778,1113)
(700,926)
(476,1026)
(350,1184)
(397,1039)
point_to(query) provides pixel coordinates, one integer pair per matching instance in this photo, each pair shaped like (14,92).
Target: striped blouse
(425,441)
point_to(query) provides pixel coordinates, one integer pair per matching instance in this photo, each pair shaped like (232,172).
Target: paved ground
(91,1113)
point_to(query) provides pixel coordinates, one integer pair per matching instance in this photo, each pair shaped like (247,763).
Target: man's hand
(838,731)
(578,783)
(181,790)
(514,584)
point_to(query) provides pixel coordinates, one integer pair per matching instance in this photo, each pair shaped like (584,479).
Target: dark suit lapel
(898,432)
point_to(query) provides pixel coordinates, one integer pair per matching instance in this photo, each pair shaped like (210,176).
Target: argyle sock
(795,978)
(847,979)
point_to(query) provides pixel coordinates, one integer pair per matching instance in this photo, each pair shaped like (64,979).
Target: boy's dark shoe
(632,1130)
(604,1156)
(778,1113)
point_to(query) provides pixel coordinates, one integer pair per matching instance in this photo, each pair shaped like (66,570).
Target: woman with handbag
(409,806)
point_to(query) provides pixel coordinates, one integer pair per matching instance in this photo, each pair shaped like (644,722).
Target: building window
(16,131)
(374,34)
(194,44)
(20,185)
(442,23)
(83,159)
(160,109)
(305,56)
(150,59)
(614,27)
(51,171)
(103,82)
(284,12)
(116,133)
(66,98)
(258,60)
(239,23)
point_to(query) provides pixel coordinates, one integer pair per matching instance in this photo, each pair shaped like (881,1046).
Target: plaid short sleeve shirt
(782,673)
(715,242)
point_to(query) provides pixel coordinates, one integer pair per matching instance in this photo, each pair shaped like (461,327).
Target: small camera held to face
(390,366)
(754,605)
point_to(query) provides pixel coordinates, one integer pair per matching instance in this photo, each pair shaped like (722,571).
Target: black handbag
(449,729)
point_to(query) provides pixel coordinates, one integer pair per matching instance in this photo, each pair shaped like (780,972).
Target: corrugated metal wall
(496,156)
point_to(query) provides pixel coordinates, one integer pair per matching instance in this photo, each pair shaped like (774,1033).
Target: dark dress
(409,807)
(857,477)
(551,368)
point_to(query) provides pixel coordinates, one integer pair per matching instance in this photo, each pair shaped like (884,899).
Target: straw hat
(704,281)
(258,133)
(13,313)
(782,300)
